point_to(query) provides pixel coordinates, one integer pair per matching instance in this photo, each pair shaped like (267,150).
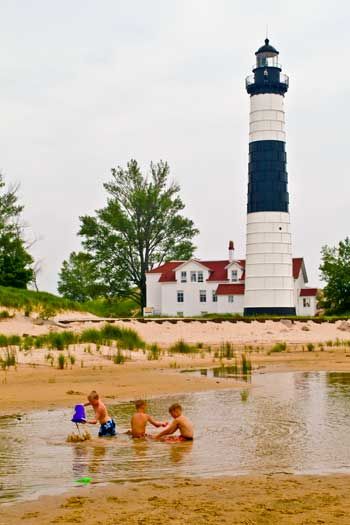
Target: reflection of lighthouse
(269,275)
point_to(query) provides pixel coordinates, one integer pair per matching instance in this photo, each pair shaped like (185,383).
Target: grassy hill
(48,304)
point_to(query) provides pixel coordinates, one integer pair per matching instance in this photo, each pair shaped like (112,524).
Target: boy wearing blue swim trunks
(108,427)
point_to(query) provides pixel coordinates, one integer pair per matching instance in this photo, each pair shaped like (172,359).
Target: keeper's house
(196,287)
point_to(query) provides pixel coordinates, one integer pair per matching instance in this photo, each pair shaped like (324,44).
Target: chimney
(231,251)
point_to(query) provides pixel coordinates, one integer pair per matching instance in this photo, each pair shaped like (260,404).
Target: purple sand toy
(79,415)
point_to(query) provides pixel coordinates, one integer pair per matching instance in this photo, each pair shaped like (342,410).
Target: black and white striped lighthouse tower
(269,274)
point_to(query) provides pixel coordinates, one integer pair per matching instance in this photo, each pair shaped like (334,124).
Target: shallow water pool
(291,422)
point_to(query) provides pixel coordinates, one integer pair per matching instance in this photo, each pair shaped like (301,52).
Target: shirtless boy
(180,422)
(140,419)
(107,427)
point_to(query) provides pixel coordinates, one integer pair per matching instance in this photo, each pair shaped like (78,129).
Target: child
(179,422)
(140,419)
(107,427)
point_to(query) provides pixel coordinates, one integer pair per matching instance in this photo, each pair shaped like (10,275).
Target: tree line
(142,225)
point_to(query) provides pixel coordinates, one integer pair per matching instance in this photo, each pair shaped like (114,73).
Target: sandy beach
(262,500)
(283,499)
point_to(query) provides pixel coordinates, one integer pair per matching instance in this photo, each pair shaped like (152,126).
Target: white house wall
(225,307)
(154,292)
(191,305)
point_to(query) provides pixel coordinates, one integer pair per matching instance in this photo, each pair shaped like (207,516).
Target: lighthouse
(269,287)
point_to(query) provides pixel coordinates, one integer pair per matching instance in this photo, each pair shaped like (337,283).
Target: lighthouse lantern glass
(267,59)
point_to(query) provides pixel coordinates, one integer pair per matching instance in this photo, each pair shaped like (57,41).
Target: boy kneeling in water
(107,427)
(140,419)
(179,422)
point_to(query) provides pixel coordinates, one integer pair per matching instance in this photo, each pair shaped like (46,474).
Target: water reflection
(222,372)
(291,422)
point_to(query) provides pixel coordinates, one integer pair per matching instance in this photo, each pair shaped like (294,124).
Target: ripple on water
(293,422)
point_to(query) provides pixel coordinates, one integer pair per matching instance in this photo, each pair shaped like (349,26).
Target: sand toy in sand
(77,438)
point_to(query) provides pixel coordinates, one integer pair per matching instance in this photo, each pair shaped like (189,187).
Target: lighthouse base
(270,311)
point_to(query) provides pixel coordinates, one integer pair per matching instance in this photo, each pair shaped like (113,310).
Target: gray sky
(87,84)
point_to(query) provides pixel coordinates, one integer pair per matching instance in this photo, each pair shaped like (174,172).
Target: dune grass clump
(61,361)
(244,395)
(310,347)
(279,347)
(8,359)
(226,351)
(154,352)
(119,358)
(4,314)
(180,347)
(246,365)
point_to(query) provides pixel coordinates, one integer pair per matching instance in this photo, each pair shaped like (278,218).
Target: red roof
(217,269)
(308,292)
(230,289)
(297,264)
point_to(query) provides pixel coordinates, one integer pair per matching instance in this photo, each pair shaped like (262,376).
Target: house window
(202,296)
(200,277)
(214,297)
(231,298)
(193,277)
(306,302)
(184,277)
(180,296)
(234,275)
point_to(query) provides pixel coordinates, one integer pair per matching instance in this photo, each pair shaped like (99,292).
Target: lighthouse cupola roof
(267,48)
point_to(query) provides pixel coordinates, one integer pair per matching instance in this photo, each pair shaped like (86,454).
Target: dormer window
(234,276)
(184,277)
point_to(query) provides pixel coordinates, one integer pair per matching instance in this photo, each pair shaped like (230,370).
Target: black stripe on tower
(268,179)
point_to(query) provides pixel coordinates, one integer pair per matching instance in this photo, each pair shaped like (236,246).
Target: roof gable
(200,264)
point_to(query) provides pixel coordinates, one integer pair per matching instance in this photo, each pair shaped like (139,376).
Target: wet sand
(41,386)
(263,500)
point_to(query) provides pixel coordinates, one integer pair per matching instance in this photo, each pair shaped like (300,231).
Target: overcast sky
(86,85)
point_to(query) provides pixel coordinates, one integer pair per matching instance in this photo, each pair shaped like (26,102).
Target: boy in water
(140,419)
(107,427)
(179,422)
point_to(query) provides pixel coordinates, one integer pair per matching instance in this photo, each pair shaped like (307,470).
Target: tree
(142,225)
(15,262)
(78,279)
(335,271)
